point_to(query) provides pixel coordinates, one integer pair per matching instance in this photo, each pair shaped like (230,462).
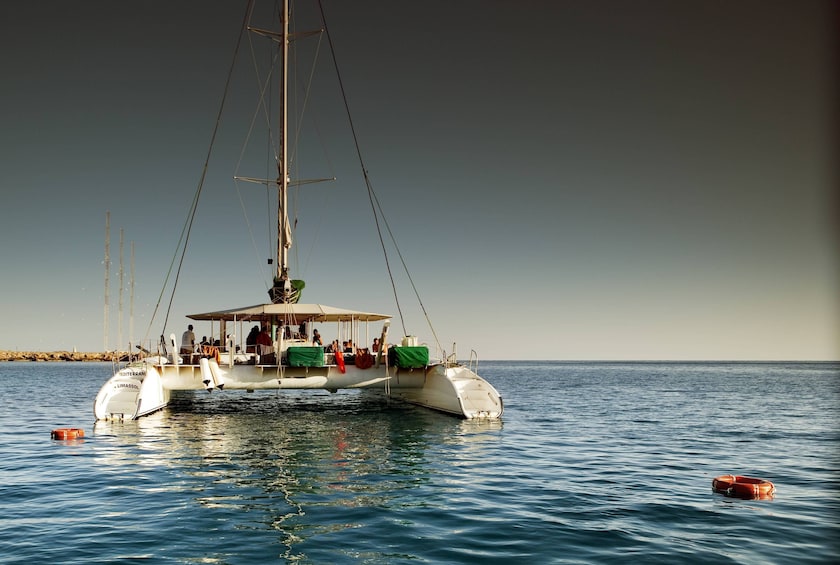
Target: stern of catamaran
(405,374)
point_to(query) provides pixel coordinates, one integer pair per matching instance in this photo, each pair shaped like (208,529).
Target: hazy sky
(566,179)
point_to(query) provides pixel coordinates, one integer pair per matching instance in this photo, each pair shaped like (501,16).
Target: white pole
(107,275)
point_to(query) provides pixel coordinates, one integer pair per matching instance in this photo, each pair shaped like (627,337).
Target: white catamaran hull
(139,390)
(132,392)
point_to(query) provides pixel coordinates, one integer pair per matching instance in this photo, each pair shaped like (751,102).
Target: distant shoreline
(60,356)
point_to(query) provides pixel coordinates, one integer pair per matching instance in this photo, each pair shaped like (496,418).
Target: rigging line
(264,85)
(272,161)
(185,232)
(272,148)
(306,94)
(303,266)
(362,164)
(405,268)
(294,157)
(262,107)
(257,254)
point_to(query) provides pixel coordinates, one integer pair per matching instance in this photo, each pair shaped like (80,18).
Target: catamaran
(290,357)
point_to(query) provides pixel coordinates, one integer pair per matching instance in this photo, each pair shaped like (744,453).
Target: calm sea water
(592,463)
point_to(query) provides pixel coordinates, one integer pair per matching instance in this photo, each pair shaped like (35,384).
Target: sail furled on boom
(287,231)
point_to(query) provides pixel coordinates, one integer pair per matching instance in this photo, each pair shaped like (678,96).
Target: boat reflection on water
(348,426)
(293,455)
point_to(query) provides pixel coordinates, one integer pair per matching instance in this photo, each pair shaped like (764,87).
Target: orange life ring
(67,433)
(339,360)
(743,487)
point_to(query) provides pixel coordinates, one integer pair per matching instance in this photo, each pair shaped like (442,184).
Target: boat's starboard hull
(131,392)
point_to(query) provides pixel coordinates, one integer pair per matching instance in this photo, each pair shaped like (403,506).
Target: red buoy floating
(67,433)
(743,487)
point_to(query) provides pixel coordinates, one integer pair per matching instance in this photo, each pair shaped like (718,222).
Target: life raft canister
(743,487)
(67,433)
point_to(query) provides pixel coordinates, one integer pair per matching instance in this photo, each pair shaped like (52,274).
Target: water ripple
(593,463)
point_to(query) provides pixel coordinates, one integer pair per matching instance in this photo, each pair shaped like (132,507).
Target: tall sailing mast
(282,290)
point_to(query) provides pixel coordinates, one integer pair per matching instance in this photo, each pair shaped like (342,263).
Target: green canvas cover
(306,356)
(408,357)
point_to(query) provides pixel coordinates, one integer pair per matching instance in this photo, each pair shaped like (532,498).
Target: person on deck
(316,338)
(251,340)
(188,340)
(375,346)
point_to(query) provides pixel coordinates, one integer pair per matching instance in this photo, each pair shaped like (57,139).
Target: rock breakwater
(59,356)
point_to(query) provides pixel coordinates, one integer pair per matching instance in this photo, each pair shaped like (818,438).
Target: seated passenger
(251,340)
(364,359)
(264,342)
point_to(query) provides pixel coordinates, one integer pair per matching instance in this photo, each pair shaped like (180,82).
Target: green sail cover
(297,286)
(408,357)
(278,294)
(306,356)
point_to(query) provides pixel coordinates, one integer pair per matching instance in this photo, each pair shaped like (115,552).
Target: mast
(282,290)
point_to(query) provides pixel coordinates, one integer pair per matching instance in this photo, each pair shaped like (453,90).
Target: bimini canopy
(294,313)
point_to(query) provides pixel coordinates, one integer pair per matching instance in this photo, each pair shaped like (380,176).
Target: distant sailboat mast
(131,299)
(105,328)
(120,295)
